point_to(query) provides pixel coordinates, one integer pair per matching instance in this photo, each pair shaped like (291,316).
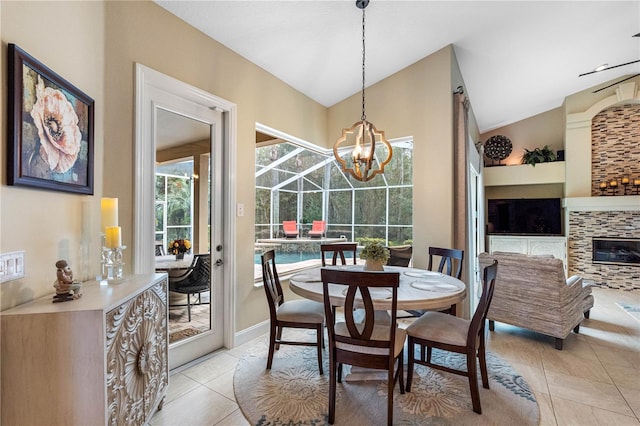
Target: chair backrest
(318,226)
(451,258)
(290,226)
(399,255)
(338,250)
(159,248)
(477,321)
(359,331)
(199,275)
(271,281)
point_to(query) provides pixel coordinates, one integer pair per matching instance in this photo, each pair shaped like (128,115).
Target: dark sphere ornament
(498,147)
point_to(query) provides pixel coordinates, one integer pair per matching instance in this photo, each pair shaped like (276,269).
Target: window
(174,201)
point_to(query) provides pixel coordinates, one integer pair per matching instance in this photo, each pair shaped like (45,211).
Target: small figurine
(66,287)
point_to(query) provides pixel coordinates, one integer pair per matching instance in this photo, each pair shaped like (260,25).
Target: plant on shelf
(538,155)
(375,254)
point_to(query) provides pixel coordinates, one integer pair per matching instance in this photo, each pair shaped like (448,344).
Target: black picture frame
(50,138)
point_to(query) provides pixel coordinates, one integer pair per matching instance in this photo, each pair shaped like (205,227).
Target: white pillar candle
(109,207)
(113,237)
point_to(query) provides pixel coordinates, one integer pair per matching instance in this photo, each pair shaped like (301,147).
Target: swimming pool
(291,257)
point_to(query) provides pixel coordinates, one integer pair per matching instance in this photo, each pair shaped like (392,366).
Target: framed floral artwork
(50,128)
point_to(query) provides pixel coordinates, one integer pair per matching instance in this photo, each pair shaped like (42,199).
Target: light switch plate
(11,266)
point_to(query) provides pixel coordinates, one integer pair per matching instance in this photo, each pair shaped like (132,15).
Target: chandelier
(362,135)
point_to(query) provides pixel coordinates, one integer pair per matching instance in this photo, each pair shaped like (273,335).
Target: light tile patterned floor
(594,380)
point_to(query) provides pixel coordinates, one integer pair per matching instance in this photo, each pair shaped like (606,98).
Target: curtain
(460,199)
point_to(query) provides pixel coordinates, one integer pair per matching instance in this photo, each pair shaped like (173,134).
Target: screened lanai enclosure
(306,184)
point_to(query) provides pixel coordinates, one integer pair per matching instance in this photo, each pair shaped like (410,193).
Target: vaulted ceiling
(517,58)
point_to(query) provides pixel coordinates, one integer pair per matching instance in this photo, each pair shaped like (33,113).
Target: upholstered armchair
(532,292)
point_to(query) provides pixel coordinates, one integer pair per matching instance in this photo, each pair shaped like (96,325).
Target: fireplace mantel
(603,203)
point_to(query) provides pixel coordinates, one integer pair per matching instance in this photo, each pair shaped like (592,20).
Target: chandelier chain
(364,115)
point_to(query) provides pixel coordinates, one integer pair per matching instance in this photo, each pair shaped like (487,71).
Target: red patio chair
(318,229)
(290,228)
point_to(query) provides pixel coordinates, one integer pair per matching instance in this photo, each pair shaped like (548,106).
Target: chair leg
(401,372)
(390,385)
(410,362)
(483,365)
(272,344)
(278,337)
(586,313)
(559,343)
(189,306)
(340,373)
(332,389)
(492,325)
(429,353)
(576,329)
(320,343)
(473,382)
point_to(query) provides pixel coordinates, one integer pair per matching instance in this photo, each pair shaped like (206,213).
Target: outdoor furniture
(294,313)
(318,229)
(454,334)
(290,228)
(532,292)
(400,255)
(337,251)
(360,341)
(196,279)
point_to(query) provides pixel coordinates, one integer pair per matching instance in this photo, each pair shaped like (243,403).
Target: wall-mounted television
(525,216)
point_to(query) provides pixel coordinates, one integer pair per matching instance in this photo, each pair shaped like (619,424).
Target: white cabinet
(100,359)
(556,246)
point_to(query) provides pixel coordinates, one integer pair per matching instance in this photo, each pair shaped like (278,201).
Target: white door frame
(153,87)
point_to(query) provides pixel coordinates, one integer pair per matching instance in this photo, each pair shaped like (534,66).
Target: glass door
(187,220)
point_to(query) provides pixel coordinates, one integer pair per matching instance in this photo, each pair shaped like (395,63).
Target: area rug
(633,310)
(183,334)
(293,393)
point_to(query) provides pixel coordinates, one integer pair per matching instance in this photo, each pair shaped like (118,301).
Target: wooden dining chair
(450,263)
(337,251)
(363,342)
(300,313)
(454,334)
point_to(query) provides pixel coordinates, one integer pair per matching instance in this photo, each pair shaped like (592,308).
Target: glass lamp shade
(363,136)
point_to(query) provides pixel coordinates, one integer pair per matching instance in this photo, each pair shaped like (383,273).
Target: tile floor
(594,380)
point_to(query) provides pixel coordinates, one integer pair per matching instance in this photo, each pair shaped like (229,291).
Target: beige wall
(537,131)
(145,33)
(68,37)
(96,47)
(417,101)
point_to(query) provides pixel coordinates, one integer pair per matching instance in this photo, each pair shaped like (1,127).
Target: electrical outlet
(240,211)
(11,266)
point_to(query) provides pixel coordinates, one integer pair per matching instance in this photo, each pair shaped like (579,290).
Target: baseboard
(250,333)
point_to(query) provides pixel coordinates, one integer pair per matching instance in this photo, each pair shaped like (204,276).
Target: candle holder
(636,186)
(111,261)
(625,183)
(603,188)
(613,187)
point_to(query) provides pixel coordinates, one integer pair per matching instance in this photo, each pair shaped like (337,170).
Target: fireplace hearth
(616,251)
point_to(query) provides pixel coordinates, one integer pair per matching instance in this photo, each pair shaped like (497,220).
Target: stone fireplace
(602,144)
(616,251)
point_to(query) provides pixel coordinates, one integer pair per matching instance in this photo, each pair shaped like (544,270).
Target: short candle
(613,183)
(603,185)
(636,182)
(625,180)
(113,237)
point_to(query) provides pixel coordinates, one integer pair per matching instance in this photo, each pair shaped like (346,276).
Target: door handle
(219,262)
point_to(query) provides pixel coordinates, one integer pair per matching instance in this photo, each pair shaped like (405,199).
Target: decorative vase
(373,265)
(179,256)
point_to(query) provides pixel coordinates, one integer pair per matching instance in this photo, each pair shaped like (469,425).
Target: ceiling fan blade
(608,68)
(617,82)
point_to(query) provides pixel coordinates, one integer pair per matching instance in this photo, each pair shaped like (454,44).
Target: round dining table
(419,288)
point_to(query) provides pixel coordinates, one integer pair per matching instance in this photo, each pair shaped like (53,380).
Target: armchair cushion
(532,292)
